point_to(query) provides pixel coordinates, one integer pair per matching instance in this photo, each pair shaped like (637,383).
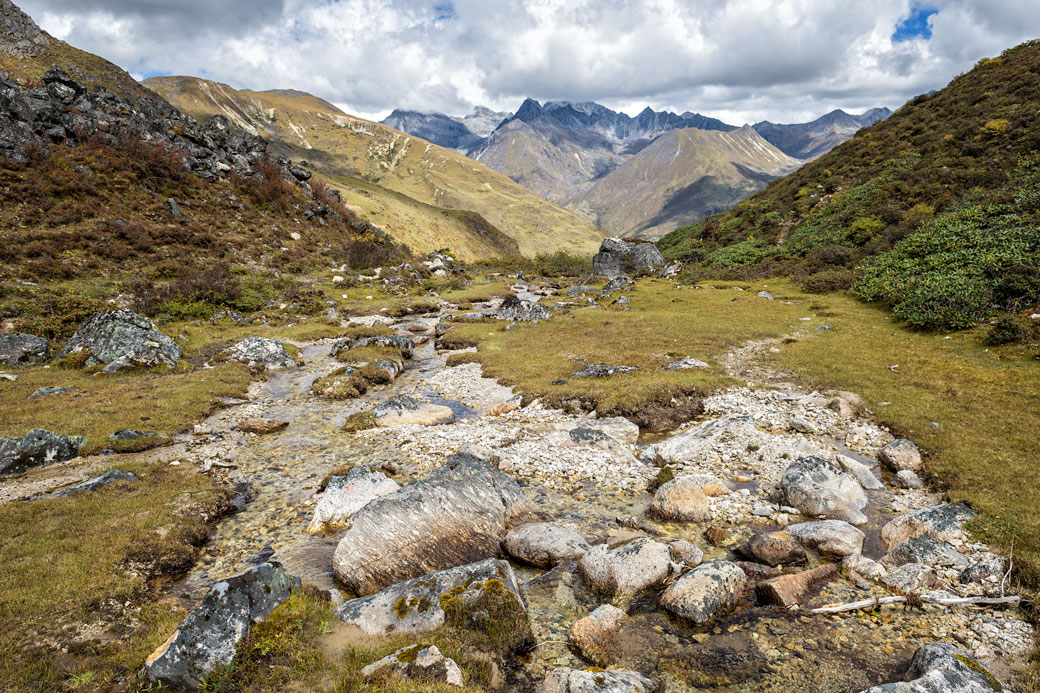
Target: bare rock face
(346,494)
(419,605)
(701,593)
(207,638)
(545,545)
(19,34)
(403,410)
(457,515)
(23,350)
(610,681)
(419,664)
(832,537)
(818,488)
(617,256)
(593,635)
(940,523)
(122,339)
(35,448)
(258,352)
(682,499)
(901,454)
(628,569)
(942,668)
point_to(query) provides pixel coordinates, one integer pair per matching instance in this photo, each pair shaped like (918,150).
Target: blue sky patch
(443,12)
(916,25)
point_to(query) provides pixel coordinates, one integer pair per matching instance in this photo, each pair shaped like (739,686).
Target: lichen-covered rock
(406,345)
(617,256)
(940,523)
(347,493)
(418,605)
(35,448)
(924,550)
(122,339)
(618,283)
(544,545)
(455,516)
(831,537)
(776,548)
(593,636)
(942,668)
(681,500)
(23,350)
(403,410)
(514,308)
(207,638)
(627,569)
(818,488)
(863,566)
(258,352)
(92,484)
(701,593)
(989,568)
(901,454)
(419,664)
(908,479)
(609,681)
(683,552)
(686,363)
(910,577)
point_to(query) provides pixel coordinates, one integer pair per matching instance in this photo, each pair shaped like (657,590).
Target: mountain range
(600,163)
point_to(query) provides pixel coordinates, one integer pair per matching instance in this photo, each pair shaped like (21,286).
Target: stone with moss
(942,668)
(35,448)
(424,665)
(121,339)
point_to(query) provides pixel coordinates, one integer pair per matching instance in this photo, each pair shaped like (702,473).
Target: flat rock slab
(457,515)
(419,664)
(699,441)
(207,638)
(599,370)
(124,337)
(544,545)
(346,494)
(416,606)
(942,668)
(403,410)
(261,426)
(699,594)
(35,448)
(609,681)
(92,484)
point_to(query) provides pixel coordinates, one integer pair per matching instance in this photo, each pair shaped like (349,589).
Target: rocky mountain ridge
(816,138)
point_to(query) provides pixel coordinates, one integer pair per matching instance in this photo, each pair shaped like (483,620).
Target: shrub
(1006,330)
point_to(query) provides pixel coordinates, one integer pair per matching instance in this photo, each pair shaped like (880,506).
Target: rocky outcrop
(406,345)
(122,339)
(418,605)
(701,593)
(700,440)
(627,569)
(417,663)
(544,545)
(609,681)
(19,35)
(681,500)
(207,638)
(817,488)
(260,353)
(942,668)
(23,350)
(347,493)
(617,256)
(457,515)
(35,448)
(403,410)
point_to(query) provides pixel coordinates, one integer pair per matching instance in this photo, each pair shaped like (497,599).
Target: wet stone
(627,569)
(609,681)
(699,594)
(544,545)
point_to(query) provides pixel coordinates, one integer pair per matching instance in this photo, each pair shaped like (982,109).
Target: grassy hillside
(942,194)
(343,148)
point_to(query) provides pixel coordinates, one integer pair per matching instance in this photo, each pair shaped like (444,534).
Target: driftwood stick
(869,603)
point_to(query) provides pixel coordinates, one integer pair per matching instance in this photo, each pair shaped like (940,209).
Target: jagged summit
(815,138)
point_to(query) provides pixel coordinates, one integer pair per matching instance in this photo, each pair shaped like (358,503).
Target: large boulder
(207,638)
(617,256)
(544,545)
(122,339)
(682,500)
(942,668)
(514,308)
(418,605)
(455,516)
(609,681)
(403,410)
(261,353)
(417,663)
(818,488)
(35,448)
(831,537)
(347,493)
(23,350)
(627,569)
(701,593)
(940,523)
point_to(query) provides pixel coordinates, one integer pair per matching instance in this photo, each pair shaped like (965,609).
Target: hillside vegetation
(932,211)
(410,187)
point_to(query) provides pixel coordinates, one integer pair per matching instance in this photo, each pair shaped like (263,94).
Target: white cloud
(740,60)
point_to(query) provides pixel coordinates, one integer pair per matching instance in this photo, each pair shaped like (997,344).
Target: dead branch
(881,601)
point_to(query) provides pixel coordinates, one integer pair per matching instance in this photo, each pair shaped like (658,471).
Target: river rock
(776,548)
(403,410)
(910,577)
(627,569)
(544,545)
(23,350)
(990,567)
(908,479)
(457,515)
(514,308)
(901,454)
(617,257)
(419,664)
(93,484)
(701,593)
(684,552)
(864,567)
(261,426)
(608,681)
(866,478)
(940,523)
(942,668)
(593,635)
(831,537)
(406,345)
(699,441)
(207,638)
(124,339)
(35,448)
(257,352)
(924,550)
(416,605)
(600,370)
(681,500)
(347,493)
(818,488)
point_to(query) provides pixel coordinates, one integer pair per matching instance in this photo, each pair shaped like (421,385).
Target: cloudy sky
(739,60)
